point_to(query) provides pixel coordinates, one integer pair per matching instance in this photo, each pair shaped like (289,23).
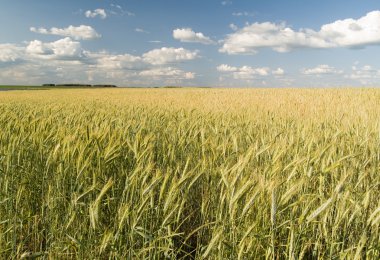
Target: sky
(215,43)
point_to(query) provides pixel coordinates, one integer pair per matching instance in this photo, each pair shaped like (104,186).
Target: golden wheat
(190,173)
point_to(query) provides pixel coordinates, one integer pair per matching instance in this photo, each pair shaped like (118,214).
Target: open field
(190,173)
(41,87)
(6,87)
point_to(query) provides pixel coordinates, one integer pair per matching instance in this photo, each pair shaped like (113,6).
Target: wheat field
(190,174)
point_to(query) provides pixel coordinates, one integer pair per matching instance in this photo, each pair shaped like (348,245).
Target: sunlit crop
(190,173)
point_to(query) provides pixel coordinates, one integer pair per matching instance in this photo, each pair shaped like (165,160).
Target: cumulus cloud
(68,49)
(120,61)
(82,32)
(321,69)
(34,51)
(226,68)
(10,52)
(37,47)
(169,55)
(65,60)
(97,12)
(281,38)
(62,49)
(247,72)
(168,72)
(188,35)
(363,74)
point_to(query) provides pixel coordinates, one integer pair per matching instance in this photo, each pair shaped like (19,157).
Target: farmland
(190,173)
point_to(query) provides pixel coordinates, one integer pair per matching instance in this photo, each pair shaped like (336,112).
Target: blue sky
(226,43)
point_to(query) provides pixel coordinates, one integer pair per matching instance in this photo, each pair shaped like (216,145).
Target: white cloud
(226,68)
(37,47)
(129,13)
(278,72)
(118,10)
(121,61)
(97,12)
(322,69)
(169,55)
(65,60)
(20,74)
(247,72)
(233,27)
(226,2)
(82,32)
(168,72)
(188,35)
(365,74)
(35,51)
(367,68)
(189,75)
(281,38)
(62,49)
(10,52)
(116,6)
(242,14)
(141,30)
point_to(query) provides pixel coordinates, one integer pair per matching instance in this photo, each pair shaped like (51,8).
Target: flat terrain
(6,87)
(190,173)
(16,87)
